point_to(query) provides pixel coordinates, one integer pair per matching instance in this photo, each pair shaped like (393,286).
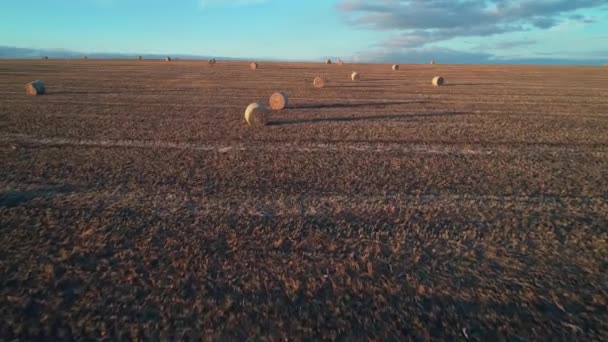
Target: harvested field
(135,202)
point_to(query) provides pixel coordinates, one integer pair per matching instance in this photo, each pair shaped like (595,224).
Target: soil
(135,203)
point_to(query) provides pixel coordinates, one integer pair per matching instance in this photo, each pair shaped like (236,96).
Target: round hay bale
(355,76)
(340,62)
(328,61)
(395,67)
(318,82)
(278,101)
(35,88)
(438,81)
(256,114)
(254,66)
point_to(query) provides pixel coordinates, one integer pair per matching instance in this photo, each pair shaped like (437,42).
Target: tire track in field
(447,148)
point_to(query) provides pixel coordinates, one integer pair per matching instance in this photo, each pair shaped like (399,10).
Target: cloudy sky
(450,31)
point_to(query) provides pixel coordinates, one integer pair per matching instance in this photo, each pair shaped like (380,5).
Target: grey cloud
(544,23)
(425,21)
(582,19)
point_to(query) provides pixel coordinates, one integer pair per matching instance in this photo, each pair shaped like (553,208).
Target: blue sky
(451,31)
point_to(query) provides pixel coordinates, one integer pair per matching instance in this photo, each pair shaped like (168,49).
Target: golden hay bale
(328,61)
(355,76)
(278,101)
(340,62)
(318,82)
(438,81)
(35,88)
(396,67)
(254,65)
(256,114)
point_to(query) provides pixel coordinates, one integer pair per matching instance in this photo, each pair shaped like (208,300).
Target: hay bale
(395,67)
(35,88)
(355,76)
(256,114)
(340,62)
(438,81)
(254,66)
(318,82)
(278,101)
(328,61)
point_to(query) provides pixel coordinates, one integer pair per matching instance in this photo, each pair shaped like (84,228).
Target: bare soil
(136,204)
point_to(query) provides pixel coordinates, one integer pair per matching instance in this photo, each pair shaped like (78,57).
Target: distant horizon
(17,53)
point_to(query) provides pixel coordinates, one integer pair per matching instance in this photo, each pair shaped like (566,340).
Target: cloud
(425,54)
(421,22)
(510,44)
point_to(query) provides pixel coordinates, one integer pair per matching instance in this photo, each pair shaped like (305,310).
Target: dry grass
(134,199)
(256,114)
(278,101)
(438,81)
(35,88)
(318,82)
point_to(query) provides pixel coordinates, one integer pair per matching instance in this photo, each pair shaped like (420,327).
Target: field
(134,202)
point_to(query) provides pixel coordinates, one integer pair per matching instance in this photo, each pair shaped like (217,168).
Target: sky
(449,31)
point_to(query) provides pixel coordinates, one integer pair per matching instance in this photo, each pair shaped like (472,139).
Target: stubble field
(135,203)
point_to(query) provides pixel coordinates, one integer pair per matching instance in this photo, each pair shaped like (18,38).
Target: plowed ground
(135,203)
